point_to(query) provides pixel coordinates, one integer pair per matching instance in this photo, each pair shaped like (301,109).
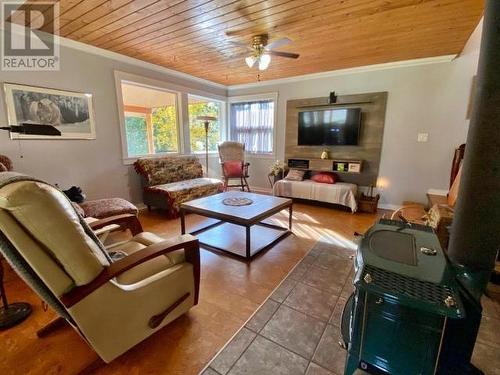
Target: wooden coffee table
(238,230)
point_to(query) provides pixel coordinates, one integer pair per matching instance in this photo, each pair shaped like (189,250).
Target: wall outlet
(422,137)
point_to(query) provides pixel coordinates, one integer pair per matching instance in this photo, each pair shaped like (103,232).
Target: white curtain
(252,123)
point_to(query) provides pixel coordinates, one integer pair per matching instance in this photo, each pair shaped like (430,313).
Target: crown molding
(341,72)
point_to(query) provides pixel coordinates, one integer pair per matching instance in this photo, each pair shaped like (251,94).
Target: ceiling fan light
(250,60)
(264,61)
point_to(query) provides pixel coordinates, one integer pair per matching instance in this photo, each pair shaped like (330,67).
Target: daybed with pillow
(172,180)
(321,187)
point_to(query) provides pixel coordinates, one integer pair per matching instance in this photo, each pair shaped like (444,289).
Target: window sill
(210,153)
(260,155)
(132,159)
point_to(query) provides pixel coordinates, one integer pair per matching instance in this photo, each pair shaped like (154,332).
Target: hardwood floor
(231,291)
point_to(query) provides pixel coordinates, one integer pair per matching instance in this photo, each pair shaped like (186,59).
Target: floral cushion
(101,208)
(184,191)
(165,170)
(6,163)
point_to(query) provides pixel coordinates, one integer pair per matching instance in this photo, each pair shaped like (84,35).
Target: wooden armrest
(185,241)
(125,221)
(117,219)
(107,229)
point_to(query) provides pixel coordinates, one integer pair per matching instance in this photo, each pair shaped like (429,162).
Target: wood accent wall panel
(373,109)
(190,35)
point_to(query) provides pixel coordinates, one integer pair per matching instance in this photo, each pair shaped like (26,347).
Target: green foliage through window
(137,138)
(197,128)
(164,120)
(162,123)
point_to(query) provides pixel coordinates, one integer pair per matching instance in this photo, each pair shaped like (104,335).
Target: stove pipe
(475,235)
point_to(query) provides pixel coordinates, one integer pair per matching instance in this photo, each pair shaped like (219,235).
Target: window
(198,106)
(137,134)
(151,125)
(252,123)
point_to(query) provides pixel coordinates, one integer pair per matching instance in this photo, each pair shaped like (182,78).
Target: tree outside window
(164,121)
(151,125)
(198,106)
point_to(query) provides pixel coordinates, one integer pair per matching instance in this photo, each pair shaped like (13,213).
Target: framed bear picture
(72,113)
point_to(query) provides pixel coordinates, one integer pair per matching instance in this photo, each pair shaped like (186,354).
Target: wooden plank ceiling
(192,36)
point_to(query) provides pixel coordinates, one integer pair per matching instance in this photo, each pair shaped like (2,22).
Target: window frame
(181,92)
(255,98)
(129,159)
(224,125)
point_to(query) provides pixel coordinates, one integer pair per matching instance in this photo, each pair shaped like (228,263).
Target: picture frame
(354,167)
(72,113)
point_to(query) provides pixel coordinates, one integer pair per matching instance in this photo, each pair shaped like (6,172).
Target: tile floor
(296,331)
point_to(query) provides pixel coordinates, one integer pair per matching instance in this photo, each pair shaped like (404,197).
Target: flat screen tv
(329,127)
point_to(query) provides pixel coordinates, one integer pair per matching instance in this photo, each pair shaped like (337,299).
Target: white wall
(429,98)
(95,165)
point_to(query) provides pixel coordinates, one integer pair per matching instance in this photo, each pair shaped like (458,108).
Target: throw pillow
(325,178)
(295,175)
(233,168)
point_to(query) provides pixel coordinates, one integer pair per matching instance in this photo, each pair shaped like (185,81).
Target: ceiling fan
(261,51)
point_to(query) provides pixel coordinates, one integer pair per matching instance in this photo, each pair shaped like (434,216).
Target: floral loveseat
(172,180)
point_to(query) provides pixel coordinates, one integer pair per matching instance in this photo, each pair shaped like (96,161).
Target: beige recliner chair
(112,304)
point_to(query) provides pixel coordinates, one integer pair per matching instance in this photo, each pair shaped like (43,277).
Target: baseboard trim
(261,190)
(388,206)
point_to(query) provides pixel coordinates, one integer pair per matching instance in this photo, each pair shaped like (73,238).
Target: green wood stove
(412,311)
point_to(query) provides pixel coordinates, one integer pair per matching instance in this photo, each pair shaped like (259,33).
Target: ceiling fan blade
(237,32)
(239,44)
(239,55)
(289,55)
(278,43)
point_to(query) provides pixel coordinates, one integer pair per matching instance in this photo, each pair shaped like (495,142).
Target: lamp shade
(264,62)
(250,60)
(206,118)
